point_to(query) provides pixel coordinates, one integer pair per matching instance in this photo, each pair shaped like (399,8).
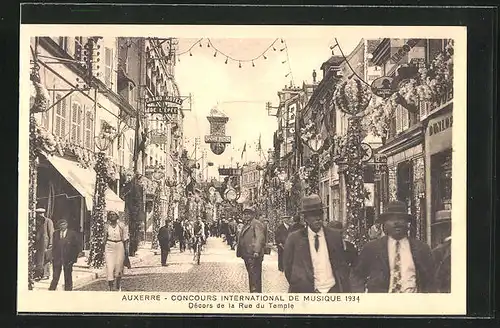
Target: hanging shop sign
(405,49)
(384,87)
(166,105)
(231,194)
(217,138)
(158,137)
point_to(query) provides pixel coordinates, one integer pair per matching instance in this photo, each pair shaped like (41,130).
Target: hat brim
(318,209)
(442,221)
(384,216)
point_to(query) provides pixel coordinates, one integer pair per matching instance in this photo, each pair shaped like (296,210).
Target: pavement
(219,271)
(83,274)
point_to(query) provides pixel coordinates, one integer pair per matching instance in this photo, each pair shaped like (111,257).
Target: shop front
(66,190)
(404,178)
(438,158)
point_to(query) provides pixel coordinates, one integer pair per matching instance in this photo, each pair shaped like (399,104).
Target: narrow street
(219,271)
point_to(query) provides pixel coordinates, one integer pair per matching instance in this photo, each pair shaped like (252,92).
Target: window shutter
(399,119)
(74,121)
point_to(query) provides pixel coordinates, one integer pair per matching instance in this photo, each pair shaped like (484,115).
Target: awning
(83,180)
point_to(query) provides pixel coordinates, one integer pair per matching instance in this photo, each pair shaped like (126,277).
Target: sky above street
(241,93)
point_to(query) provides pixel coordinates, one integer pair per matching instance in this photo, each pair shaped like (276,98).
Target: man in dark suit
(442,252)
(280,236)
(251,244)
(296,224)
(64,253)
(350,251)
(164,241)
(232,230)
(394,263)
(314,258)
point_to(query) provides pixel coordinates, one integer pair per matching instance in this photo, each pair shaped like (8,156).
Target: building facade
(418,142)
(81,105)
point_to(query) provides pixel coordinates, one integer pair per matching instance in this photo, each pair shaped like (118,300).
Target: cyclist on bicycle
(199,232)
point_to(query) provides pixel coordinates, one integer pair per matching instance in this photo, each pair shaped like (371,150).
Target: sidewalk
(83,274)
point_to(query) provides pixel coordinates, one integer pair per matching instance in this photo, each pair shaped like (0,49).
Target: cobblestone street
(219,271)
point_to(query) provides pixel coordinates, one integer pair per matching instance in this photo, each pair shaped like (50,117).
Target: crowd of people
(315,257)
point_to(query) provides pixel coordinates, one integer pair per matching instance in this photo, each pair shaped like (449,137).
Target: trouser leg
(68,277)
(254,269)
(164,255)
(55,277)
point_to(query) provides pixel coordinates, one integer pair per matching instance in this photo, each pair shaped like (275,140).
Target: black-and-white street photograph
(272,164)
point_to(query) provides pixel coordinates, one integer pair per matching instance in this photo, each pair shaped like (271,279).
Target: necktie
(396,280)
(316,242)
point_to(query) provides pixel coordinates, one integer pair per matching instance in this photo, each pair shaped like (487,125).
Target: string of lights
(347,61)
(263,55)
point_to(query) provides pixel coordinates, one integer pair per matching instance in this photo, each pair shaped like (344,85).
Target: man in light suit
(43,244)
(251,243)
(314,259)
(65,254)
(394,263)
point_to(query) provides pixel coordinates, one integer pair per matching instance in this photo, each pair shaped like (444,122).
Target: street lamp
(102,142)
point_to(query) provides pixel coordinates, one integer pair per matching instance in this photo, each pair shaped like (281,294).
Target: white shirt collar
(312,233)
(392,240)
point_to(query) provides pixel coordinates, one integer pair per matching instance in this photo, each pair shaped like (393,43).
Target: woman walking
(117,239)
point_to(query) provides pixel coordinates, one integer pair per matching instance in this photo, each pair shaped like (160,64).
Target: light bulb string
(223,54)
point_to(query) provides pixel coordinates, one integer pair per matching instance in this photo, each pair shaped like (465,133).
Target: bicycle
(197,249)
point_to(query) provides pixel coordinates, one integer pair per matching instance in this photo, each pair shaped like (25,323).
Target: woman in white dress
(116,246)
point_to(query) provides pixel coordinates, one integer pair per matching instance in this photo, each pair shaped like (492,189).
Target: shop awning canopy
(83,180)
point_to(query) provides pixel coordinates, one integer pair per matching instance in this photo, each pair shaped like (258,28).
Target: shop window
(89,130)
(76,123)
(402,119)
(60,117)
(441,181)
(108,67)
(404,183)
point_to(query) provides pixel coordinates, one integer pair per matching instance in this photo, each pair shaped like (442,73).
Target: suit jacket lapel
(245,228)
(304,247)
(384,253)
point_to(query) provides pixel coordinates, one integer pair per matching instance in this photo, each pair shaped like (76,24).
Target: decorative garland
(355,189)
(431,83)
(352,96)
(98,233)
(156,216)
(33,166)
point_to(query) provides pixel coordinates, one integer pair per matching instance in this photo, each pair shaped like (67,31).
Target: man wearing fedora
(251,244)
(442,253)
(314,259)
(280,236)
(394,263)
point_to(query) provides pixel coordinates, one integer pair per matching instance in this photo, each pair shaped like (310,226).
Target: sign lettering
(404,50)
(217,139)
(440,125)
(163,105)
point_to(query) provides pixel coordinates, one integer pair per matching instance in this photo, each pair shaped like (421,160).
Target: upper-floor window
(76,123)
(60,117)
(108,67)
(89,130)
(79,46)
(63,42)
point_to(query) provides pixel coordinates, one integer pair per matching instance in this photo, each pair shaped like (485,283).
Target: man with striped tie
(394,263)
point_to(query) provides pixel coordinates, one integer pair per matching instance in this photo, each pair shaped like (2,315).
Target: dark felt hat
(311,203)
(249,209)
(443,216)
(394,208)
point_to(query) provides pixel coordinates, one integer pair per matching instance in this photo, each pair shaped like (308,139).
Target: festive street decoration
(277,46)
(352,96)
(217,138)
(98,233)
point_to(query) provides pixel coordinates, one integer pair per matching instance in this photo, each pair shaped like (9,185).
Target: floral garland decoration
(351,96)
(432,82)
(98,233)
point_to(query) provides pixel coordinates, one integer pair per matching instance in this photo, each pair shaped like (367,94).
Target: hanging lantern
(217,137)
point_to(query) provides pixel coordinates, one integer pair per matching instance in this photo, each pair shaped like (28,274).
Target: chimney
(314,76)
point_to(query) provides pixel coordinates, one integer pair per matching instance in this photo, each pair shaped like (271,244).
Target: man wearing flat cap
(251,244)
(43,244)
(314,259)
(394,263)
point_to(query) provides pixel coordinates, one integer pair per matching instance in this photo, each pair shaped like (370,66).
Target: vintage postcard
(242,169)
